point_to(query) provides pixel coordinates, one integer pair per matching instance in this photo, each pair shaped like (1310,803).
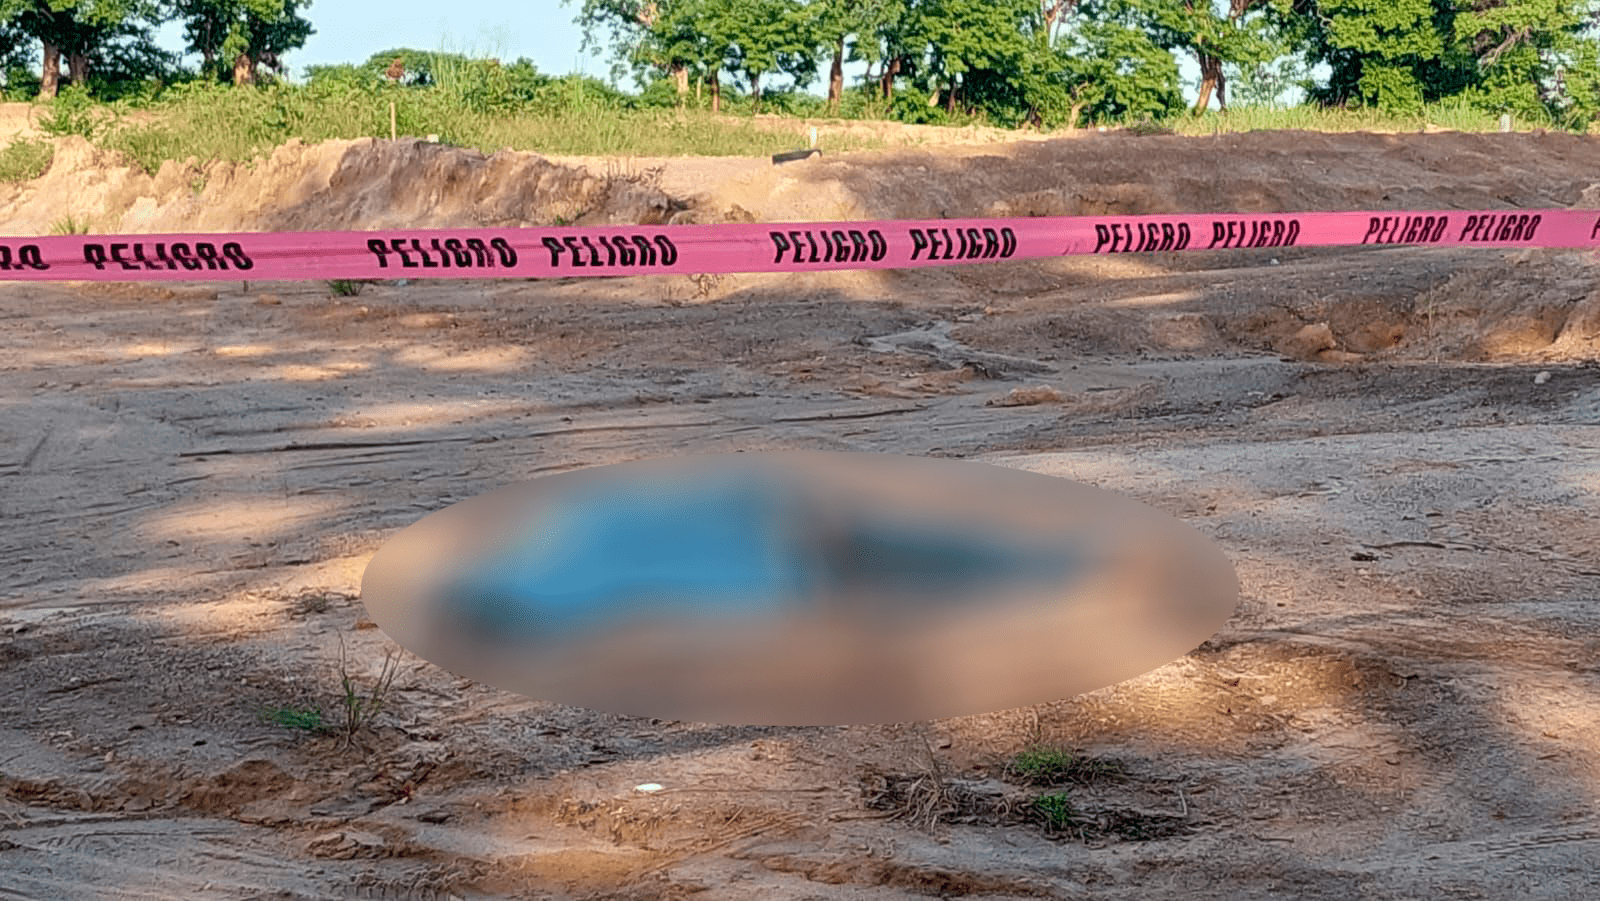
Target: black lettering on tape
(398,245)
(647,254)
(94,255)
(236,254)
(780,245)
(180,252)
(550,244)
(669,250)
(594,255)
(116,256)
(1102,237)
(207,251)
(427,261)
(625,251)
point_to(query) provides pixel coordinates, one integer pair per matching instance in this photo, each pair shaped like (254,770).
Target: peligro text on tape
(764,247)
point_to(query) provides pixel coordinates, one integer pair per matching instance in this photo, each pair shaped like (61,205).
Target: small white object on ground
(648,787)
(1542,377)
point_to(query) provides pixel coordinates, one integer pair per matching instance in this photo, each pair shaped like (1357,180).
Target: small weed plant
(1054,812)
(69,225)
(360,708)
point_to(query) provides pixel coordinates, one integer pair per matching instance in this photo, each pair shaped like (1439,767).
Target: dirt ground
(1398,448)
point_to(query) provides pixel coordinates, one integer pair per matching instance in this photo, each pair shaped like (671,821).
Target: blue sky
(349,32)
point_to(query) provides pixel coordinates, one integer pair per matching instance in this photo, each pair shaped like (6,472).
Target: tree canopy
(1042,63)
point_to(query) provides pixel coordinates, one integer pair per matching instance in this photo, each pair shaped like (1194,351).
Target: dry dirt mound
(1127,174)
(359,184)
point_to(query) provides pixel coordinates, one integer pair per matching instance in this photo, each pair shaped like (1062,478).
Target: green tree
(1216,36)
(675,38)
(235,37)
(975,48)
(1524,55)
(1113,68)
(81,31)
(829,23)
(768,36)
(1388,54)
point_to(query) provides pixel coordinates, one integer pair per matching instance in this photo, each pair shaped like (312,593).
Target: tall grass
(222,123)
(484,105)
(25,160)
(1454,116)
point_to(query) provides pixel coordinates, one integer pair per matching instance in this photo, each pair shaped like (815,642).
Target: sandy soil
(1400,450)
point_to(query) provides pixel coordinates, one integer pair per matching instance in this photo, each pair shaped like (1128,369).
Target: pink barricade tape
(777,247)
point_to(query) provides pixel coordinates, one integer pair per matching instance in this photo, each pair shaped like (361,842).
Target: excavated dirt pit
(1398,448)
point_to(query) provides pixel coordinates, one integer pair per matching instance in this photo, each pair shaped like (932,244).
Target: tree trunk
(680,75)
(950,102)
(78,68)
(890,70)
(50,76)
(244,69)
(836,77)
(716,92)
(698,84)
(1210,71)
(755,92)
(1072,118)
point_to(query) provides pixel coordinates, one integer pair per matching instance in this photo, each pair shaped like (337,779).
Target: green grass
(305,719)
(1044,765)
(221,123)
(25,160)
(1453,116)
